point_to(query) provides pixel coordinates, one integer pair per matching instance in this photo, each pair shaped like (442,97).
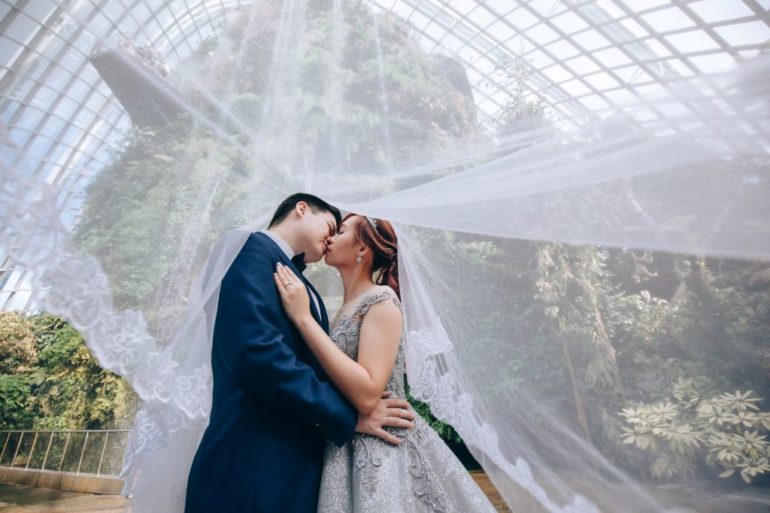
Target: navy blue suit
(273,407)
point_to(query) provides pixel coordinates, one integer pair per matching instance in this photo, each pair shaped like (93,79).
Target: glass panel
(542,34)
(712,11)
(582,65)
(22,28)
(39,9)
(667,20)
(501,31)
(9,108)
(569,23)
(612,57)
(591,40)
(482,17)
(9,50)
(751,33)
(562,50)
(522,19)
(41,145)
(693,41)
(29,119)
(713,63)
(548,8)
(557,73)
(500,6)
(601,81)
(575,88)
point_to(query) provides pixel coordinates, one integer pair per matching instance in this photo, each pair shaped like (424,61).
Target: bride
(363,357)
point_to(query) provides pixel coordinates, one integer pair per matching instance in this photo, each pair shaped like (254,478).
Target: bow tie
(299,261)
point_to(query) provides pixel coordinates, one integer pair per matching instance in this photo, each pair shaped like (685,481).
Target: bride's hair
(384,245)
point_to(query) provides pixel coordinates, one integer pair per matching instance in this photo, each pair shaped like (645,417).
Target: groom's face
(318,229)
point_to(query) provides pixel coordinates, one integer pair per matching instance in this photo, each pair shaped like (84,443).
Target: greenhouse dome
(578,186)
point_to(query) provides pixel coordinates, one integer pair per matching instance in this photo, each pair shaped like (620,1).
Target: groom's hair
(315,203)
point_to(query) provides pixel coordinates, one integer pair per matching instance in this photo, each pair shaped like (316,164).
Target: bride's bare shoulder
(383,292)
(381,289)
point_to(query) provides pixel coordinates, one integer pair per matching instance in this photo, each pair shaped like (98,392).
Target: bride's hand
(294,296)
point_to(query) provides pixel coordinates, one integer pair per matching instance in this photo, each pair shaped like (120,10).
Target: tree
(59,385)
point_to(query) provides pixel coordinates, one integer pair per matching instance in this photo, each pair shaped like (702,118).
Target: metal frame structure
(584,56)
(579,58)
(62,118)
(23,458)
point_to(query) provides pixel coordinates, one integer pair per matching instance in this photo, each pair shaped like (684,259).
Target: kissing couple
(310,415)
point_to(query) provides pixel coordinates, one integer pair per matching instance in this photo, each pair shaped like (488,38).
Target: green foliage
(596,329)
(524,109)
(445,431)
(62,387)
(164,177)
(17,351)
(151,216)
(14,401)
(726,430)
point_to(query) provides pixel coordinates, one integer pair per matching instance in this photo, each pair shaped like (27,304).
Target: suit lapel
(324,322)
(318,316)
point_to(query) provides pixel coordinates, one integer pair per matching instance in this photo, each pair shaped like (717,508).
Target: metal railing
(80,451)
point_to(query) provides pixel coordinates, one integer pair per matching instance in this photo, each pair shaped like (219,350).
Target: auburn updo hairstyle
(384,245)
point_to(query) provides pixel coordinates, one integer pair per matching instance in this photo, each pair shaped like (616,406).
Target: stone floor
(25,499)
(483,481)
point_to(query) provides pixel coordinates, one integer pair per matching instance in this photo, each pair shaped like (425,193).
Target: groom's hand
(389,412)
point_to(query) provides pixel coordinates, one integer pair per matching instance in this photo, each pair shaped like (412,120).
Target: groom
(273,406)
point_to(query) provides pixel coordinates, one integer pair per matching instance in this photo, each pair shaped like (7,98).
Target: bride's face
(344,247)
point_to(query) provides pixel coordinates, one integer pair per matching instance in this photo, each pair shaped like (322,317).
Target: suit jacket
(273,407)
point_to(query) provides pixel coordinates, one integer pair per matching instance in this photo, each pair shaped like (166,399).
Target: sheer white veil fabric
(694,182)
(505,197)
(170,423)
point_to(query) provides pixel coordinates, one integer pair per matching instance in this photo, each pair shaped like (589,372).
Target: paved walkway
(483,481)
(26,499)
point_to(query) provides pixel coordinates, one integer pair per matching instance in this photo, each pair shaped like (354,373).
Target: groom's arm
(250,330)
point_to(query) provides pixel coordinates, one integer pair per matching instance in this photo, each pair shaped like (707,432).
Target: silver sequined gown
(368,475)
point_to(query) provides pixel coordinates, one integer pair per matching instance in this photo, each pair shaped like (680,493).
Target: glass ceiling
(584,56)
(578,57)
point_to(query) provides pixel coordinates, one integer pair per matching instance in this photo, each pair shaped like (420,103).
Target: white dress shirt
(289,252)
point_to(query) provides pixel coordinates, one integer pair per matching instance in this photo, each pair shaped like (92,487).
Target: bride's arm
(362,381)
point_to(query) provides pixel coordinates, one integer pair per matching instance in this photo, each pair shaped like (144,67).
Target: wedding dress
(368,475)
